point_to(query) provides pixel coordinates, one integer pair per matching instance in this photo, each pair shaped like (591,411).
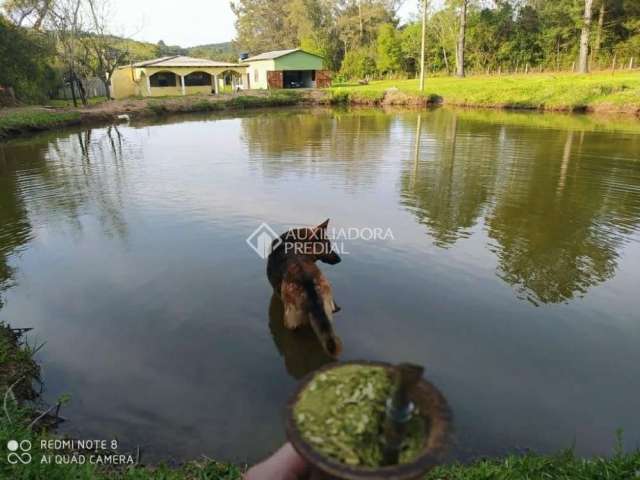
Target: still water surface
(512,274)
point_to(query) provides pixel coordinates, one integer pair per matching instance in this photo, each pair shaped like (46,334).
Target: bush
(358,63)
(25,58)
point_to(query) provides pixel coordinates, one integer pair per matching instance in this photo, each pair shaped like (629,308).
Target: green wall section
(299,61)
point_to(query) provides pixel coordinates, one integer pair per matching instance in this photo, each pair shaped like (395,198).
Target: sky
(183,22)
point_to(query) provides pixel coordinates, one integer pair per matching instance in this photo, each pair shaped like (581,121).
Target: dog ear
(323,226)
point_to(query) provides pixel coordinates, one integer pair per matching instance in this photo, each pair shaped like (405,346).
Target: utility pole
(424,38)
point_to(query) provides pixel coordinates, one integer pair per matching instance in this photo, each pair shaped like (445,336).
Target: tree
(103,56)
(314,24)
(410,44)
(33,12)
(358,63)
(262,25)
(583,63)
(461,39)
(25,61)
(598,40)
(442,24)
(67,23)
(389,49)
(358,21)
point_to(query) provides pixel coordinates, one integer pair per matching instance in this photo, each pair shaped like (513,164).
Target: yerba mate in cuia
(341,413)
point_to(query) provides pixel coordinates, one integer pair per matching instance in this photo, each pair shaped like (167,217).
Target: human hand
(285,464)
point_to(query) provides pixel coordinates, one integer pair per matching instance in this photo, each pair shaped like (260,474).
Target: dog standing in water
(305,292)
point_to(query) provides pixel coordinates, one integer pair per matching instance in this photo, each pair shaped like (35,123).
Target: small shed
(286,69)
(176,75)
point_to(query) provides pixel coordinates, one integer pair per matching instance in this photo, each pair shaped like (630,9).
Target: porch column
(148,84)
(215,84)
(184,92)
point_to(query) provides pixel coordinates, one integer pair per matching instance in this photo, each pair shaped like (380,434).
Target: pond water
(511,273)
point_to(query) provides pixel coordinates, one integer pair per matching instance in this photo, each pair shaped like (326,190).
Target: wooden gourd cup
(432,407)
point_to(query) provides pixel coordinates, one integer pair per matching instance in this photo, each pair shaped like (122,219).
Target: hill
(139,50)
(226,51)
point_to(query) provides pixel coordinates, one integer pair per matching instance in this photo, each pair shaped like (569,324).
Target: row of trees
(361,38)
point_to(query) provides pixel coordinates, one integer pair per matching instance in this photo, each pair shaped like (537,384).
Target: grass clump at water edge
(20,121)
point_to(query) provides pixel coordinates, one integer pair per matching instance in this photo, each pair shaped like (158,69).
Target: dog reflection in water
(300,348)
(305,292)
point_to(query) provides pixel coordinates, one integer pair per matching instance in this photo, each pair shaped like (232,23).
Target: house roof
(182,61)
(276,54)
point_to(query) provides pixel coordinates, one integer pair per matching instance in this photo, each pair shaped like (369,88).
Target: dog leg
(294,318)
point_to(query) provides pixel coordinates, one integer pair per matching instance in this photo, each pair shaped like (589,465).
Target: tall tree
(67,21)
(461,38)
(262,25)
(25,62)
(28,12)
(358,21)
(389,49)
(102,55)
(583,62)
(598,40)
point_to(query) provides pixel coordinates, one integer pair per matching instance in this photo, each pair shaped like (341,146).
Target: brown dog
(305,292)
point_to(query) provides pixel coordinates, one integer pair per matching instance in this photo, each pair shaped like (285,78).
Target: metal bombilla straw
(400,410)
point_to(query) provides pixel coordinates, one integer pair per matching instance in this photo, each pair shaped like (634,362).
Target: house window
(255,76)
(163,79)
(313,75)
(197,79)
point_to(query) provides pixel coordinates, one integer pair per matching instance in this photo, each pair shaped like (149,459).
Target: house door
(323,78)
(275,79)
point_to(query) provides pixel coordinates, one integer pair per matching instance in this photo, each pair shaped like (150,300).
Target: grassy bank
(16,121)
(18,370)
(597,92)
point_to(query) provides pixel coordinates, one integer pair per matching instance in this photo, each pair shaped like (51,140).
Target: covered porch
(159,82)
(178,75)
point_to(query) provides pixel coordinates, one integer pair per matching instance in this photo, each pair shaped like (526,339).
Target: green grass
(560,91)
(19,121)
(18,428)
(69,103)
(563,466)
(550,120)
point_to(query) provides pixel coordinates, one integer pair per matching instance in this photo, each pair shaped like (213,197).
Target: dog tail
(320,315)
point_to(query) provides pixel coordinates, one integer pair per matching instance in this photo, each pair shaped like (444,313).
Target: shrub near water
(341,413)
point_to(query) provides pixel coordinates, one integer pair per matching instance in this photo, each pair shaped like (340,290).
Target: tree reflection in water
(558,216)
(49,164)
